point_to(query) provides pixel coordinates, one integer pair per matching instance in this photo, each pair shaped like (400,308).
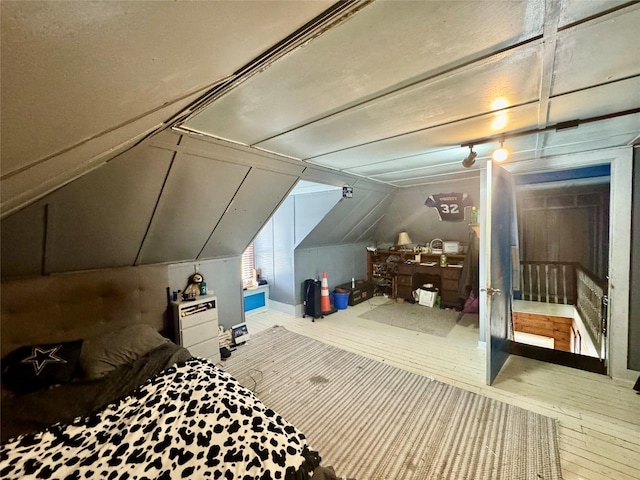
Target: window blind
(248,263)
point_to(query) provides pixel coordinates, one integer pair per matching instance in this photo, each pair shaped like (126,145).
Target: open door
(500,211)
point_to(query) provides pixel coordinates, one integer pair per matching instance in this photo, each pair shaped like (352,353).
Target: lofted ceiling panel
(601,100)
(594,136)
(100,220)
(77,74)
(398,108)
(79,68)
(386,90)
(404,151)
(194,199)
(349,219)
(576,10)
(364,230)
(596,53)
(458,175)
(513,77)
(252,205)
(383,47)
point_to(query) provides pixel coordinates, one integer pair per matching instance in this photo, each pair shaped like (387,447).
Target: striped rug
(372,421)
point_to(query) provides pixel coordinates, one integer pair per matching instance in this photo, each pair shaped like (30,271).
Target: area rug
(412,316)
(469,320)
(372,421)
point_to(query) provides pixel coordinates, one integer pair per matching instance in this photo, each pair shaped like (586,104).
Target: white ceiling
(387,90)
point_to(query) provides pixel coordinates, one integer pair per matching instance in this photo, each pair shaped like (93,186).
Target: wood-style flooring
(599,418)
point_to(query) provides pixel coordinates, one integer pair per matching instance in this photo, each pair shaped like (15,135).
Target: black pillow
(34,367)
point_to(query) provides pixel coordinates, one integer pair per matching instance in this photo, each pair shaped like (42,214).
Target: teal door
(499,232)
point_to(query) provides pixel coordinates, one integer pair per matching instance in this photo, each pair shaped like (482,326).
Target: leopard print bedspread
(190,421)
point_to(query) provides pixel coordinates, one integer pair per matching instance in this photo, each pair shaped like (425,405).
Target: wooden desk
(395,273)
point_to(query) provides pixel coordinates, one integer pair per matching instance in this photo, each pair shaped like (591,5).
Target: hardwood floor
(599,418)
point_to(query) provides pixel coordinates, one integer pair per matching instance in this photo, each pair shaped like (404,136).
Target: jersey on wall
(450,206)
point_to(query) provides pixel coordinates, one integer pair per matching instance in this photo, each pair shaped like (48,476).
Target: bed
(91,388)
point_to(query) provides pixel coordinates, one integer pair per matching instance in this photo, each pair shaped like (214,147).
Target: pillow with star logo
(34,367)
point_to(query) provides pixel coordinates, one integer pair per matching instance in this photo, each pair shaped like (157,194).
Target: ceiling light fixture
(471,158)
(501,154)
(557,127)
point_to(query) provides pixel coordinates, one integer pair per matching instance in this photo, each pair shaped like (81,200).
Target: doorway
(560,284)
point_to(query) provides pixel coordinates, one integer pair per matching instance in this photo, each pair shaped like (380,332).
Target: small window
(248,265)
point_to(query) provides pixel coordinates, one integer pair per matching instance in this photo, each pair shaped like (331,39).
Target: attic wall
(318,219)
(340,262)
(177,200)
(170,199)
(222,277)
(273,251)
(408,212)
(310,209)
(352,220)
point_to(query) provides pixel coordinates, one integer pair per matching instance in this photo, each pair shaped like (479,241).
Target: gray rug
(470,320)
(372,421)
(434,321)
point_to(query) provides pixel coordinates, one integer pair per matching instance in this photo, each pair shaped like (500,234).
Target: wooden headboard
(77,305)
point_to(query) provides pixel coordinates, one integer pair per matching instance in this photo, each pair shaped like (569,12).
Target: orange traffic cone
(325,303)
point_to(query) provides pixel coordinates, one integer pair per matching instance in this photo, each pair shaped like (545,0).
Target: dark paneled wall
(569,224)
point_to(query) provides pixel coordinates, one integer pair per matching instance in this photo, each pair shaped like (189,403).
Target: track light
(471,158)
(501,154)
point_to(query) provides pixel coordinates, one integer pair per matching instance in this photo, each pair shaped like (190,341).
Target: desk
(397,275)
(413,275)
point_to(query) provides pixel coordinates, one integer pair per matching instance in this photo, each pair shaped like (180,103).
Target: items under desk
(396,273)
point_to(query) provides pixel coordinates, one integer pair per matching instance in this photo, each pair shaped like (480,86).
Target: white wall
(223,277)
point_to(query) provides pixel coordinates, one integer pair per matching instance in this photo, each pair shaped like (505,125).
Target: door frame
(621,164)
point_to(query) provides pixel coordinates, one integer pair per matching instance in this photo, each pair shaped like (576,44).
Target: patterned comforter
(189,421)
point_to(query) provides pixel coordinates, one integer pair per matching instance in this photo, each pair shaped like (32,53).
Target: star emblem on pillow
(40,357)
(37,366)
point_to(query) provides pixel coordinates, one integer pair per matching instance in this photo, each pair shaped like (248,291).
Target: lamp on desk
(403,240)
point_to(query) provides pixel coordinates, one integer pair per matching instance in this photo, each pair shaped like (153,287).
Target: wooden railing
(592,305)
(571,284)
(549,282)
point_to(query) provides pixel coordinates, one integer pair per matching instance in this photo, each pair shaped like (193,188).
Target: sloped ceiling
(388,91)
(170,199)
(394,92)
(82,81)
(351,220)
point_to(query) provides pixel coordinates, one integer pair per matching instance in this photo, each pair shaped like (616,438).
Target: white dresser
(196,326)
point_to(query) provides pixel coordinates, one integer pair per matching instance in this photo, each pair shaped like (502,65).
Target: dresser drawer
(189,321)
(449,285)
(428,270)
(199,333)
(207,349)
(405,269)
(451,272)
